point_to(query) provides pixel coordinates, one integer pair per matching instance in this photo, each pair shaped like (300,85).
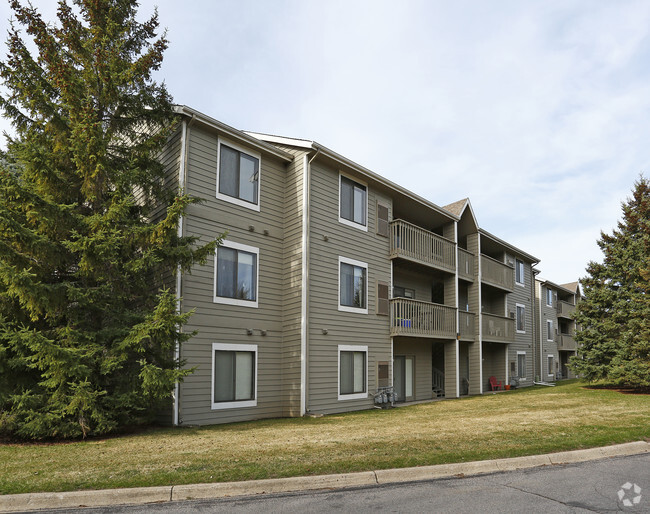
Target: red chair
(495,385)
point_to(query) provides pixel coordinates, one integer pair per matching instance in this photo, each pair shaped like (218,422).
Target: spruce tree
(614,317)
(89,247)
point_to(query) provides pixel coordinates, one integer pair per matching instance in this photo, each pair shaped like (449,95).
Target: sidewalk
(140,495)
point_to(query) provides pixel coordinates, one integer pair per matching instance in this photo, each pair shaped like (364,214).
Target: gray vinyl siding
(523,295)
(548,347)
(220,323)
(343,328)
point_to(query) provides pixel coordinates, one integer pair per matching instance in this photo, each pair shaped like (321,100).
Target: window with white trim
(236,274)
(519,272)
(234,375)
(353,372)
(549,330)
(550,364)
(521,319)
(238,175)
(549,297)
(353,203)
(353,286)
(521,365)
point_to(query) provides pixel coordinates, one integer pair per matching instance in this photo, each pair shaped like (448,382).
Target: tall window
(549,330)
(238,176)
(234,375)
(521,364)
(354,203)
(353,375)
(550,364)
(353,285)
(549,297)
(236,274)
(521,318)
(519,272)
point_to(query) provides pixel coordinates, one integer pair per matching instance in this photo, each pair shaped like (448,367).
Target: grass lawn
(523,422)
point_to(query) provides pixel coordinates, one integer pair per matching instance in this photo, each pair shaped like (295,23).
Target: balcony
(566,342)
(415,244)
(466,325)
(421,319)
(565,309)
(497,274)
(465,265)
(498,329)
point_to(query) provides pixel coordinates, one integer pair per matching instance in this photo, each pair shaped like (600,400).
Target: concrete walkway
(141,495)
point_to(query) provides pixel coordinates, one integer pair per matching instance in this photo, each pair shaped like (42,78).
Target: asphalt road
(584,487)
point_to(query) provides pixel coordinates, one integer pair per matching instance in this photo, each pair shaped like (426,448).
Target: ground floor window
(521,365)
(234,375)
(550,364)
(353,372)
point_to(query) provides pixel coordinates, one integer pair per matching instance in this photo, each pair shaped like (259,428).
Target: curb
(141,495)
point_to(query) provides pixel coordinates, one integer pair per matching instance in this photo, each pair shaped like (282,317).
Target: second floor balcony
(498,329)
(421,319)
(466,322)
(497,273)
(416,244)
(565,309)
(566,342)
(465,265)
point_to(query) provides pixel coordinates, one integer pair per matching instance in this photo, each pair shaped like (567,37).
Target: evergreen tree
(614,343)
(89,246)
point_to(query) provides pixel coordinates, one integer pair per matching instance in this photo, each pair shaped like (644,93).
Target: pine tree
(89,247)
(614,343)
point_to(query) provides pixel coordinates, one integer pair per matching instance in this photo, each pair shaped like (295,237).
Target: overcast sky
(538,111)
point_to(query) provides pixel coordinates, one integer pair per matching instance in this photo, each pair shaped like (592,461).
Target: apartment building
(333,282)
(556,305)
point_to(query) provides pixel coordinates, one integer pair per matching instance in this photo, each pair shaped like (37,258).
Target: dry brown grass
(515,423)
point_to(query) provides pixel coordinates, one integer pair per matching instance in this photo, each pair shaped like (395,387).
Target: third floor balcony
(416,244)
(497,273)
(565,309)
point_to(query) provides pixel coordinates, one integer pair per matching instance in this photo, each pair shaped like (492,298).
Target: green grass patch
(528,421)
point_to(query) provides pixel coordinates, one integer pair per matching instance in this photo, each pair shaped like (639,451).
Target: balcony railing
(498,328)
(465,264)
(497,273)
(565,309)
(422,319)
(466,325)
(416,244)
(566,342)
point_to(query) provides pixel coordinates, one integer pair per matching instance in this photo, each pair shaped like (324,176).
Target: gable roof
(458,207)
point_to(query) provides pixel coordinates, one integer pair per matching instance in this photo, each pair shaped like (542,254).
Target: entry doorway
(404,377)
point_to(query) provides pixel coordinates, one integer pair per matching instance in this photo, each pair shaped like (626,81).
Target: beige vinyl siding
(220,323)
(494,359)
(420,282)
(343,328)
(291,285)
(419,348)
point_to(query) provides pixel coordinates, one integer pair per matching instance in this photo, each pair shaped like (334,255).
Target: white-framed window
(549,297)
(520,318)
(236,274)
(521,365)
(549,359)
(549,330)
(238,175)
(353,203)
(234,375)
(519,272)
(353,286)
(353,372)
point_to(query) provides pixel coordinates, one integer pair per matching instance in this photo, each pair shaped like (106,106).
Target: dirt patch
(623,390)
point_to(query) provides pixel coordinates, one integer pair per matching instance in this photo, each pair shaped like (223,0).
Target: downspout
(182,173)
(457,314)
(480,318)
(304,300)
